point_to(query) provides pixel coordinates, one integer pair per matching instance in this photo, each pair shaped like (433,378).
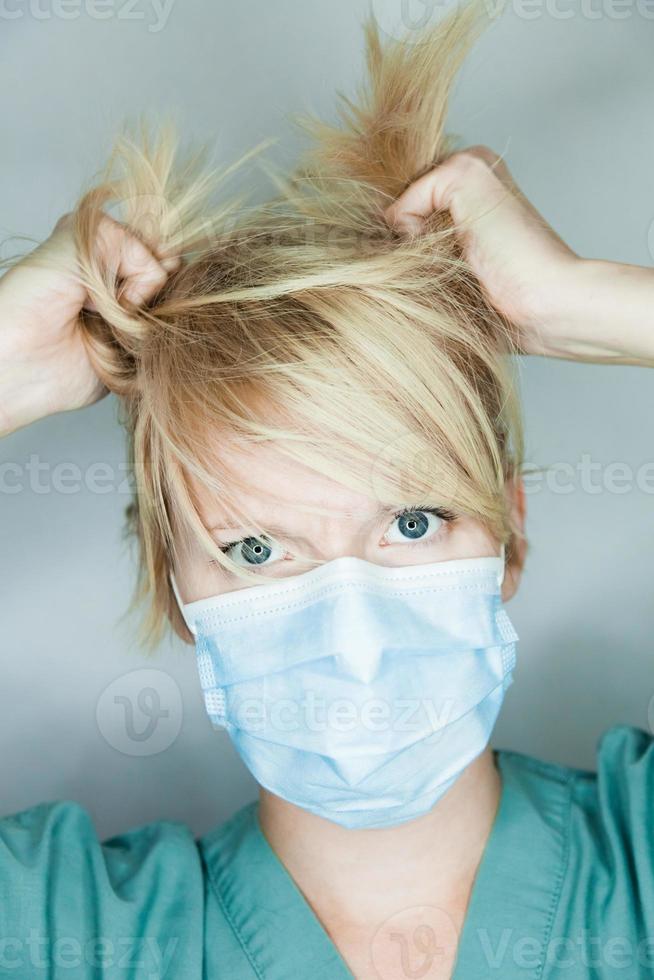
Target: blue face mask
(358,691)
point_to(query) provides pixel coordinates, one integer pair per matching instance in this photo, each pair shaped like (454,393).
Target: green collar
(517,888)
(272,921)
(511,909)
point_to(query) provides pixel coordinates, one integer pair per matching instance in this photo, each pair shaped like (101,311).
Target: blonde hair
(369,356)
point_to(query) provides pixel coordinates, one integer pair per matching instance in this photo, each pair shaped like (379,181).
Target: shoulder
(33,839)
(618,799)
(63,880)
(68,820)
(624,770)
(600,827)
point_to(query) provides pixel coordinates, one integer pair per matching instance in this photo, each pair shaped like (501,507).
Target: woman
(327,447)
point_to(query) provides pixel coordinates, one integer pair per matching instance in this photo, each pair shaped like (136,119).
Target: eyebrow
(279,529)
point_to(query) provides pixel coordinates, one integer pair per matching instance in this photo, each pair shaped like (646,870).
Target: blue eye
(252,551)
(412,525)
(417,524)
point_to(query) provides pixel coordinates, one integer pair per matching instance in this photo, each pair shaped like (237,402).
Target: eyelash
(445,515)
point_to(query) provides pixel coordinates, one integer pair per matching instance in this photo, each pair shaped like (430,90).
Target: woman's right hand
(44,364)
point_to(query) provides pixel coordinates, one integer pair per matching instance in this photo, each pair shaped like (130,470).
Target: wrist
(23,399)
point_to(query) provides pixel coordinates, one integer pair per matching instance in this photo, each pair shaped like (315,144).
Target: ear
(517,546)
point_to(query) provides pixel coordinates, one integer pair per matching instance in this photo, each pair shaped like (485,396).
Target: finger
(171,263)
(142,274)
(409,211)
(431,192)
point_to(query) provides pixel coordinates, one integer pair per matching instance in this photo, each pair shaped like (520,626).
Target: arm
(70,900)
(561,305)
(605,315)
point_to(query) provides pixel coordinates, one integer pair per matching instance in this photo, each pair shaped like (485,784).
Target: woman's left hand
(560,304)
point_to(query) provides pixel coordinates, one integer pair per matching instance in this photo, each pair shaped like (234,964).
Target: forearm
(27,385)
(605,315)
(24,396)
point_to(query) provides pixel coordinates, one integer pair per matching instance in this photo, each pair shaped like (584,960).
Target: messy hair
(369,355)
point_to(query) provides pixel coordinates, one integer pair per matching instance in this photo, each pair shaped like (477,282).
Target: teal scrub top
(565,888)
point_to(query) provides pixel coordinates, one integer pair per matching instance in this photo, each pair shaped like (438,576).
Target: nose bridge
(335,536)
(356,640)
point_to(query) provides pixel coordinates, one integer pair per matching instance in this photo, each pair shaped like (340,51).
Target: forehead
(268,483)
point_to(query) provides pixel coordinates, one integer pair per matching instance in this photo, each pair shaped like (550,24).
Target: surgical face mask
(358,691)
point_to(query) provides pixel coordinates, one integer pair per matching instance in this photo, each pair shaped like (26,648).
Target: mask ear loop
(180,603)
(503,557)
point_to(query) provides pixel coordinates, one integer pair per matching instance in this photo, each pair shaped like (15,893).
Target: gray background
(567,92)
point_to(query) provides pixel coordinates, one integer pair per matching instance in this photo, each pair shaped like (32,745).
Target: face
(349,524)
